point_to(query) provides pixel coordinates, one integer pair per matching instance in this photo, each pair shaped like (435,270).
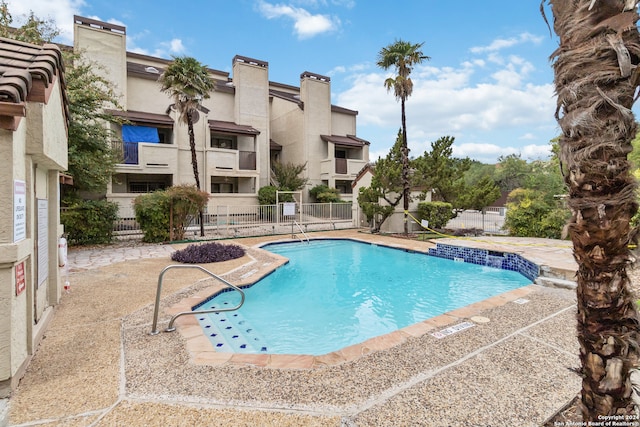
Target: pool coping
(202,351)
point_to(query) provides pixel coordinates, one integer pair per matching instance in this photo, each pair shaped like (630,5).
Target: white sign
(43,240)
(19,210)
(289,209)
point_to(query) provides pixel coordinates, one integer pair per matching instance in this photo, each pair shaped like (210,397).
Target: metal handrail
(301,230)
(170,327)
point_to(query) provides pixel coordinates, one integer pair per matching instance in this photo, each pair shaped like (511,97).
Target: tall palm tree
(402,56)
(596,80)
(188,82)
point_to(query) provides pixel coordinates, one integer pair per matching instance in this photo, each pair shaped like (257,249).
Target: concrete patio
(99,366)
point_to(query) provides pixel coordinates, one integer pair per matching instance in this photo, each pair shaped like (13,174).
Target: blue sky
(489,82)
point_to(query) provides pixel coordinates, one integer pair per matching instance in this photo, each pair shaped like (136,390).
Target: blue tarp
(139,134)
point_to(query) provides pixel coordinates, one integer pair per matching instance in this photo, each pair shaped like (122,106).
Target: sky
(488,81)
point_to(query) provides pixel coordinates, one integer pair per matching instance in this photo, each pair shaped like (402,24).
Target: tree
(386,187)
(402,56)
(91,160)
(34,30)
(596,81)
(188,82)
(442,173)
(288,176)
(512,172)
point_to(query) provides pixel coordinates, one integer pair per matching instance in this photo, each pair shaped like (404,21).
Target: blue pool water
(335,293)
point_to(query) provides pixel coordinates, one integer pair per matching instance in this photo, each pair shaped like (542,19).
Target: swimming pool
(335,293)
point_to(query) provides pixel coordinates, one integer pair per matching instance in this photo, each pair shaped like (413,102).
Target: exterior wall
(34,154)
(107,48)
(251,81)
(287,129)
(145,95)
(316,95)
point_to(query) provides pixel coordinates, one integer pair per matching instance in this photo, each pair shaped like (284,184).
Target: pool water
(336,293)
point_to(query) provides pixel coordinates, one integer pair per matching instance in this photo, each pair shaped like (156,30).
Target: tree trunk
(406,190)
(194,164)
(595,87)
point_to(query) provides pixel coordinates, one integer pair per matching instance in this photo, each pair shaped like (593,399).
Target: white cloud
(60,11)
(305,24)
(500,44)
(487,106)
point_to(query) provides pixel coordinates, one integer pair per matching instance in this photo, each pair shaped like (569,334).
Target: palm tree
(595,84)
(188,82)
(402,56)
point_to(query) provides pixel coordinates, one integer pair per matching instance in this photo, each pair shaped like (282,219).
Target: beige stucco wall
(251,107)
(108,49)
(316,95)
(46,132)
(145,95)
(34,153)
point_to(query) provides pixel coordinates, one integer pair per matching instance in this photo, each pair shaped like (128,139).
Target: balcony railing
(125,152)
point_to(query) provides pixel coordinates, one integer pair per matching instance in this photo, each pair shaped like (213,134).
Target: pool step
(556,282)
(230,332)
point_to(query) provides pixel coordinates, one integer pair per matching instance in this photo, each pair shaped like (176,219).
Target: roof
(232,128)
(142,117)
(368,168)
(349,140)
(28,73)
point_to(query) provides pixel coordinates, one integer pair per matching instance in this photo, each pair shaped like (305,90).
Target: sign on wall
(19,210)
(21,283)
(43,240)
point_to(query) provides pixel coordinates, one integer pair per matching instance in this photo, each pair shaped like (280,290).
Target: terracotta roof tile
(24,64)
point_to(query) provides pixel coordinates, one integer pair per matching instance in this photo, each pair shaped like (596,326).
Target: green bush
(325,194)
(267,196)
(153,211)
(437,213)
(89,222)
(529,214)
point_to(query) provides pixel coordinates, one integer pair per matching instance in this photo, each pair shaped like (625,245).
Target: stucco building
(248,123)
(33,149)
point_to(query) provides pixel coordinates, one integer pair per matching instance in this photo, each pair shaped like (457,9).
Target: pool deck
(99,366)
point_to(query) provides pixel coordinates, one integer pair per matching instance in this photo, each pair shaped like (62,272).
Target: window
(165,135)
(224,141)
(226,184)
(145,187)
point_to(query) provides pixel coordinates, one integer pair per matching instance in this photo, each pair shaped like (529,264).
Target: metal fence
(489,220)
(257,220)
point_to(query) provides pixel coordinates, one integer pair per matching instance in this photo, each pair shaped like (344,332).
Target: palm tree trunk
(194,164)
(595,94)
(405,169)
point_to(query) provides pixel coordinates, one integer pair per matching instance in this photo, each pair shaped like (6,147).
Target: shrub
(153,211)
(529,214)
(89,222)
(325,194)
(437,213)
(267,196)
(207,252)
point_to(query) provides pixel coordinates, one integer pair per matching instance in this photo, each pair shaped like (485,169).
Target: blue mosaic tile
(503,260)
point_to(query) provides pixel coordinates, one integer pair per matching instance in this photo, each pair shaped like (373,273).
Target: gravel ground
(569,413)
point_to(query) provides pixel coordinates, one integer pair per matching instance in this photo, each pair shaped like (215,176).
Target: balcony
(145,155)
(341,167)
(231,160)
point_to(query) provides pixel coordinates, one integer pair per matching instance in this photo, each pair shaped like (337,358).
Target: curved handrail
(170,327)
(301,230)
